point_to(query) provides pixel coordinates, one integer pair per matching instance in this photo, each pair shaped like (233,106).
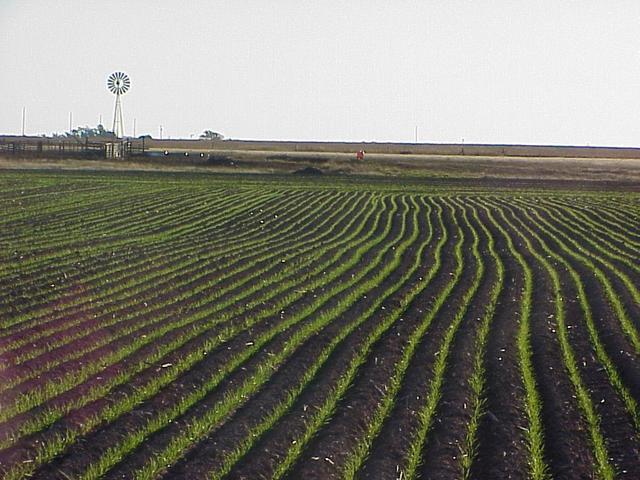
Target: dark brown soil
(217,234)
(83,452)
(441,456)
(502,449)
(142,378)
(211,451)
(617,426)
(308,171)
(336,439)
(566,435)
(264,456)
(176,308)
(82,266)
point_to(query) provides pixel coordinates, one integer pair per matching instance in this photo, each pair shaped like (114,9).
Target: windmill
(118,83)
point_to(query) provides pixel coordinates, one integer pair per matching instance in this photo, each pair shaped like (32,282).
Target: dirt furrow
(337,439)
(445,443)
(502,447)
(568,447)
(77,461)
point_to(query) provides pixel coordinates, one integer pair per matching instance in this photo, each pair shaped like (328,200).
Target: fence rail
(81,148)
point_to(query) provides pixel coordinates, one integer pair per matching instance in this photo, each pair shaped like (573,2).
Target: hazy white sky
(511,71)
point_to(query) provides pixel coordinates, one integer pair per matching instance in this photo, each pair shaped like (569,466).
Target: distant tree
(211,135)
(88,132)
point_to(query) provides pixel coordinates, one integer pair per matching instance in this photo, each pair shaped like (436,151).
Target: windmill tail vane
(118,83)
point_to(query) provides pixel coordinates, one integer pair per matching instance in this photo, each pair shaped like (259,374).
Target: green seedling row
(144,316)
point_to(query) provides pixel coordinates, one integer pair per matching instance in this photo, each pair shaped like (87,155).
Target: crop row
(267,330)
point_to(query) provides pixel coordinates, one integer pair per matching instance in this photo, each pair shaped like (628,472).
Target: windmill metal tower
(118,83)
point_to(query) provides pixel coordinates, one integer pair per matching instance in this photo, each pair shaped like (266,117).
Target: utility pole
(23,119)
(160,132)
(70,121)
(134,128)
(416,134)
(100,121)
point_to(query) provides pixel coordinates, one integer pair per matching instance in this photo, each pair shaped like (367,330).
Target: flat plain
(183,325)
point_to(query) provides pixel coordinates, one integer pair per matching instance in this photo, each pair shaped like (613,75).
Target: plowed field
(203,326)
